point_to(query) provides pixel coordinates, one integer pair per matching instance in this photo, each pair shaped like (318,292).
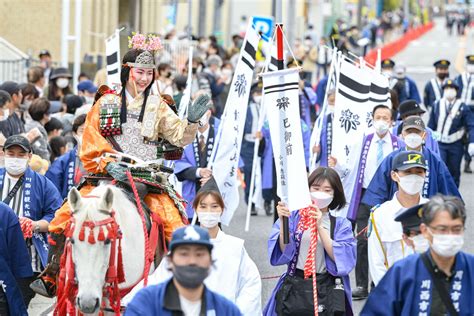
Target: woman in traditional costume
(119,127)
(326,251)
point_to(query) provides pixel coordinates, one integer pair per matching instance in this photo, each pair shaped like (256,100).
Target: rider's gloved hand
(117,171)
(198,108)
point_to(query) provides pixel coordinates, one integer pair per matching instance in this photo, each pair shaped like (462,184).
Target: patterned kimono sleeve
(169,126)
(94,145)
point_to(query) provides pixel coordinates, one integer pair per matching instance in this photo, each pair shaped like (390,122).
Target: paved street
(418,57)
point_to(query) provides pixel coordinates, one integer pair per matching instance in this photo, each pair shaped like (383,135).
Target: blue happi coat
(267,156)
(15,261)
(62,172)
(407,287)
(187,161)
(321,90)
(438,180)
(344,249)
(307,100)
(41,199)
(150,301)
(325,140)
(430,142)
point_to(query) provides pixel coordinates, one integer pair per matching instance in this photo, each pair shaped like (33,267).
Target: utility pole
(65,32)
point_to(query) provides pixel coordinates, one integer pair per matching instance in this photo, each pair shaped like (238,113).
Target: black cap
(190,235)
(44,52)
(450,84)
(60,72)
(210,186)
(387,63)
(409,107)
(413,122)
(405,160)
(470,59)
(442,63)
(17,140)
(11,87)
(411,217)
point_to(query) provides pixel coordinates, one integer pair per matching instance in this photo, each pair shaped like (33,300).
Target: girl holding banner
(334,256)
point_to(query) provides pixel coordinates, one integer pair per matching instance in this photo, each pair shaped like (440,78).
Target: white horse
(91,261)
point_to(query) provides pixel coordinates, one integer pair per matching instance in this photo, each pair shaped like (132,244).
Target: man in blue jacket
(184,294)
(14,263)
(33,198)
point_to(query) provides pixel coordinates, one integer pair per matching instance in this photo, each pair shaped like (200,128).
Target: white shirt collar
(205,134)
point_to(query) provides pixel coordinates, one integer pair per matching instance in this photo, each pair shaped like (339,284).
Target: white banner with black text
(281,99)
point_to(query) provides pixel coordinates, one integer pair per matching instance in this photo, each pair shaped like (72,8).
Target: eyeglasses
(444,230)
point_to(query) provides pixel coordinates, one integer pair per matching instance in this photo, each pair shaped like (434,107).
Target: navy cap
(409,107)
(405,160)
(60,72)
(470,59)
(411,217)
(442,63)
(387,63)
(450,84)
(17,140)
(87,85)
(413,122)
(190,235)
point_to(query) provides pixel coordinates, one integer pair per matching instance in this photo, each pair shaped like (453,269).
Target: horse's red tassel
(82,234)
(91,238)
(101,236)
(120,272)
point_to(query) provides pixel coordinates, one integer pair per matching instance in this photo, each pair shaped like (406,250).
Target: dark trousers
(362,264)
(3,304)
(452,157)
(24,286)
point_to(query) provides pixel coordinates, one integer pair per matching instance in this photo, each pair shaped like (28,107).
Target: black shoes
(253,211)
(467,168)
(360,293)
(268,208)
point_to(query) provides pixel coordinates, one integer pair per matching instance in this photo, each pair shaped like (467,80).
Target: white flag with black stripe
(358,91)
(226,154)
(281,89)
(112,51)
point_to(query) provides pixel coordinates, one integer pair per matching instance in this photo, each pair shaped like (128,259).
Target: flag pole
(279,38)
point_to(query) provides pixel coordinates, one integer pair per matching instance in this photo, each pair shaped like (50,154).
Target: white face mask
(413,140)
(450,94)
(62,83)
(381,127)
(89,100)
(6,114)
(420,243)
(387,73)
(209,219)
(16,166)
(321,199)
(446,245)
(411,184)
(257,98)
(331,109)
(2,161)
(470,68)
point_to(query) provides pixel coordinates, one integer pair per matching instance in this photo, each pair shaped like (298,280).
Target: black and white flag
(112,51)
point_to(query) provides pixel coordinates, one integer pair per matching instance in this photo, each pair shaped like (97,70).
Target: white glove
(470,149)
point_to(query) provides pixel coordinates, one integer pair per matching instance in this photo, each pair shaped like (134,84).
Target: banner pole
(279,38)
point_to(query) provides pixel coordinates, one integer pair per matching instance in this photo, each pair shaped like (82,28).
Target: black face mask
(195,70)
(442,76)
(190,277)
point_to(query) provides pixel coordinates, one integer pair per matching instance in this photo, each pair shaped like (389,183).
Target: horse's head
(92,239)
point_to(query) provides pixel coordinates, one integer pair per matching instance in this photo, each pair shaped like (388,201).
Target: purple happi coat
(344,248)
